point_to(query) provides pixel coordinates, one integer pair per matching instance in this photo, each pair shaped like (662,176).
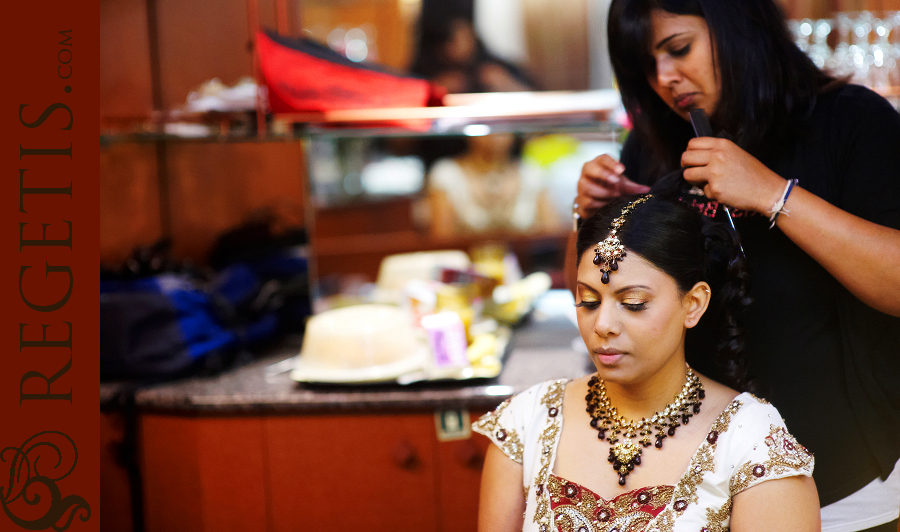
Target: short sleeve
(509,424)
(762,448)
(500,427)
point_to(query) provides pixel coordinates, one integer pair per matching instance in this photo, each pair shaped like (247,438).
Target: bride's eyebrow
(632,287)
(587,286)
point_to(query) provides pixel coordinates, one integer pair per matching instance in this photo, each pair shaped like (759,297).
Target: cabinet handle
(469,456)
(405,456)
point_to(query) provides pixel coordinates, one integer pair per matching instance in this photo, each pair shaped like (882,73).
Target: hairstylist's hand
(730,175)
(602,180)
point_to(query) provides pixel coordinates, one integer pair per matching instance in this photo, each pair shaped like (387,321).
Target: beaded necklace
(624,453)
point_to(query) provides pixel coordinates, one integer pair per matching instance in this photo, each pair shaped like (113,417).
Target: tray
(410,370)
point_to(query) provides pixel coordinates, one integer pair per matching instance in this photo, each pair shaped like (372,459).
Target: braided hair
(689,248)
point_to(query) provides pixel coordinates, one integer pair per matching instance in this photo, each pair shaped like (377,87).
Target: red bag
(303,75)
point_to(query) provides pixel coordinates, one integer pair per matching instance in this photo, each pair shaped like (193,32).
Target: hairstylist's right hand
(602,180)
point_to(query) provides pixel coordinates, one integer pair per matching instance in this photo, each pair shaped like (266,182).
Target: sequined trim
(506,439)
(552,399)
(577,509)
(702,462)
(786,458)
(715,520)
(760,399)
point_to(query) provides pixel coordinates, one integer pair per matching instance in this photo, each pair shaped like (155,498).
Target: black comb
(702,128)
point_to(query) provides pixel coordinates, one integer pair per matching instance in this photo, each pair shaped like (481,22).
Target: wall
(155,52)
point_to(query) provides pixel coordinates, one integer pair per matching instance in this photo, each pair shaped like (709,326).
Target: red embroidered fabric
(578,509)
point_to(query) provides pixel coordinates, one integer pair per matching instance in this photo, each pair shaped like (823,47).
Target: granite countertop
(541,348)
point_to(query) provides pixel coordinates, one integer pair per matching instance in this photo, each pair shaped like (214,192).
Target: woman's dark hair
(689,248)
(431,37)
(767,83)
(434,33)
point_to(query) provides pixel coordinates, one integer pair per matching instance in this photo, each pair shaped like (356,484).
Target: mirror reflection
(489,187)
(377,193)
(451,54)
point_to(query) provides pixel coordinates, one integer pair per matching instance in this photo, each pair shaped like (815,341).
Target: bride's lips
(608,356)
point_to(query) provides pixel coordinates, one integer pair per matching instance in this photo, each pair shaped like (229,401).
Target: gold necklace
(624,453)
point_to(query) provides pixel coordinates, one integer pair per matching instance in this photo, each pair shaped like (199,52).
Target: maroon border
(55,77)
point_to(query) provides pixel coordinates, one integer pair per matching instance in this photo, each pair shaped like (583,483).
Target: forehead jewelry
(610,251)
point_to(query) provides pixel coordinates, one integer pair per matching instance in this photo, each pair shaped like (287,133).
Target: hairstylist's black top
(828,362)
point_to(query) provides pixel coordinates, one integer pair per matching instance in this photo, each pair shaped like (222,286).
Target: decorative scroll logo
(34,469)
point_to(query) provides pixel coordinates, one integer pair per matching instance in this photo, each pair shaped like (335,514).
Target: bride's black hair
(690,248)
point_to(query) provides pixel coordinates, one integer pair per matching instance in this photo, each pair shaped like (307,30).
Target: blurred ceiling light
(356,50)
(476,130)
(355,34)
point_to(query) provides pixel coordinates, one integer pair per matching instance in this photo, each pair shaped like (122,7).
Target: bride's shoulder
(718,396)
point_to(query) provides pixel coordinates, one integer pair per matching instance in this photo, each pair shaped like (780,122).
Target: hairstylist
(810,168)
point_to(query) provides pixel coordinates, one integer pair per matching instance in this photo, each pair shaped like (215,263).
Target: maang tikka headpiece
(610,251)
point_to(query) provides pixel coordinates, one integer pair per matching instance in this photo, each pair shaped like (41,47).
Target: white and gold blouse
(747,444)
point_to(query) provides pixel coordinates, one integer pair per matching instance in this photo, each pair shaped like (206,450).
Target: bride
(648,443)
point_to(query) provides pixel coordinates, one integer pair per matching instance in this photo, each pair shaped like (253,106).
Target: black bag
(163,326)
(161,320)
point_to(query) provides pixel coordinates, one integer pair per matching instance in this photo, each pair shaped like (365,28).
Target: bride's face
(493,147)
(634,327)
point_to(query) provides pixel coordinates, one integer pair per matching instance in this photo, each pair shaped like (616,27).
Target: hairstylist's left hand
(730,175)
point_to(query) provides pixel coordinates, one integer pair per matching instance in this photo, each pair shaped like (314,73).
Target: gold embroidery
(554,396)
(786,458)
(552,399)
(664,522)
(760,399)
(584,511)
(715,520)
(506,439)
(785,453)
(702,462)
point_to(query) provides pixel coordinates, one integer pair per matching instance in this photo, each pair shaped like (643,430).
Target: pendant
(624,456)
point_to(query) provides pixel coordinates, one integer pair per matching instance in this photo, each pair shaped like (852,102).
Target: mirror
(455,183)
(558,44)
(378,192)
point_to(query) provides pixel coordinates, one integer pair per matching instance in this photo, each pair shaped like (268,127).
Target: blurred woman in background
(487,189)
(451,55)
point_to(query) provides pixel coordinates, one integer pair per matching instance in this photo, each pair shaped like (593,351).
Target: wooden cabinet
(353,471)
(393,22)
(115,490)
(204,473)
(193,191)
(215,186)
(130,213)
(459,481)
(126,86)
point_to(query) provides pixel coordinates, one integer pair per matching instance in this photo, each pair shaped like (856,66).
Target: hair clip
(610,251)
